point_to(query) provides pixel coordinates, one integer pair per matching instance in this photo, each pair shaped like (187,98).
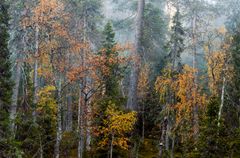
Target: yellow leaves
(188,94)
(143,81)
(122,143)
(47,103)
(183,88)
(117,124)
(46,11)
(164,84)
(216,65)
(222,30)
(206,48)
(45,69)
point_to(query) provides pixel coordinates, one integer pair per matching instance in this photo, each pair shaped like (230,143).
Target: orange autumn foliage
(219,67)
(143,81)
(183,86)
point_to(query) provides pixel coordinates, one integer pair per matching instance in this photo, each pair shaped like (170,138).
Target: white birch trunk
(80,125)
(59,121)
(111,146)
(69,111)
(222,101)
(161,145)
(88,128)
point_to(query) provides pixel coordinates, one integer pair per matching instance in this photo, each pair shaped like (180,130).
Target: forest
(119,79)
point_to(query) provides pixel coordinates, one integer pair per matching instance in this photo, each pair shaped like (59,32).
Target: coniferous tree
(7,145)
(112,96)
(236,64)
(212,141)
(154,31)
(176,44)
(108,51)
(6,83)
(232,108)
(5,64)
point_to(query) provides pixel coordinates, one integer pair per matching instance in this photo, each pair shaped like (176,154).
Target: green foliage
(109,52)
(213,138)
(8,146)
(235,50)
(148,149)
(114,128)
(69,144)
(109,35)
(46,119)
(5,65)
(234,144)
(231,110)
(176,43)
(91,12)
(154,35)
(108,119)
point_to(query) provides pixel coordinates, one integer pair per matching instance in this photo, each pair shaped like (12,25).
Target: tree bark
(35,77)
(80,125)
(17,78)
(143,123)
(59,121)
(13,108)
(195,109)
(69,111)
(88,126)
(222,101)
(132,94)
(161,142)
(111,147)
(173,145)
(167,135)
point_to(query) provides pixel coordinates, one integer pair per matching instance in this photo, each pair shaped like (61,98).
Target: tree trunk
(222,101)
(161,145)
(195,110)
(164,135)
(41,149)
(143,124)
(132,94)
(69,111)
(59,121)
(17,78)
(167,135)
(111,147)
(35,78)
(13,108)
(88,126)
(80,125)
(173,145)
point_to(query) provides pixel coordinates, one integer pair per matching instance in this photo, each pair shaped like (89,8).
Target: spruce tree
(5,73)
(112,79)
(212,141)
(232,107)
(5,66)
(236,64)
(6,143)
(176,45)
